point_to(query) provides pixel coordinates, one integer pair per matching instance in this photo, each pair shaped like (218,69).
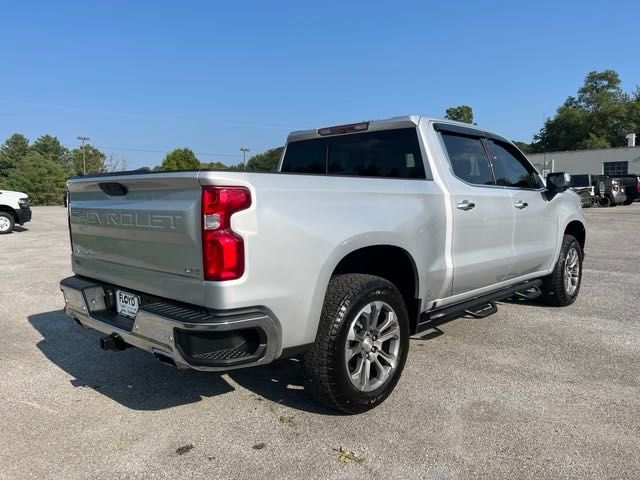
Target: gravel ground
(531,392)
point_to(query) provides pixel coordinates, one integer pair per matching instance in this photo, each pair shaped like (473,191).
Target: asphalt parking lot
(531,392)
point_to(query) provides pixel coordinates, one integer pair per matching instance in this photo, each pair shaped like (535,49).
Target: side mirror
(558,182)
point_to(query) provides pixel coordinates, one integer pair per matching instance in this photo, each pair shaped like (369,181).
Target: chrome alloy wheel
(5,224)
(373,346)
(571,272)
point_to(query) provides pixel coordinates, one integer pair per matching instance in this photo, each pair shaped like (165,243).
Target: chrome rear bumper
(176,331)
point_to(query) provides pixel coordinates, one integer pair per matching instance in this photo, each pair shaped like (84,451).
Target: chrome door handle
(466,205)
(520,204)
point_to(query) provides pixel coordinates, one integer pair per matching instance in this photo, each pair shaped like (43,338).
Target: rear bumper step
(179,334)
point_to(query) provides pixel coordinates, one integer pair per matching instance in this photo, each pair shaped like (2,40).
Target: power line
(144,150)
(164,118)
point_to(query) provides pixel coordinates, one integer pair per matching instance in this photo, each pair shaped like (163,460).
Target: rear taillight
(222,248)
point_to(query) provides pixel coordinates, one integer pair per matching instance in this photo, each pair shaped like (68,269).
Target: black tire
(4,217)
(554,290)
(604,202)
(326,368)
(612,202)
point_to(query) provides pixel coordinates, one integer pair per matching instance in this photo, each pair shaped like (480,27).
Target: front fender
(568,209)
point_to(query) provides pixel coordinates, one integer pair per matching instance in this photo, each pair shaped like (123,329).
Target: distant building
(602,161)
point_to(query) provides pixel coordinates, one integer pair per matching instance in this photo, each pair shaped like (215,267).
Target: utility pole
(84,162)
(244,151)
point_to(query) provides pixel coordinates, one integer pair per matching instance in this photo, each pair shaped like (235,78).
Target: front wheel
(361,346)
(561,288)
(6,222)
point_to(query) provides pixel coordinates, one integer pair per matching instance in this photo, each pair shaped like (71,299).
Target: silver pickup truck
(367,234)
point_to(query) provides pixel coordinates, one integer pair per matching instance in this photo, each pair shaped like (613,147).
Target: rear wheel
(561,288)
(361,346)
(6,222)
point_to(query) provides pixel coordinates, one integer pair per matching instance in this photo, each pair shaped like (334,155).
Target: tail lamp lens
(222,248)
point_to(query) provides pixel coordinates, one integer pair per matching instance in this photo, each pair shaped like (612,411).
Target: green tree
(213,166)
(94,160)
(524,147)
(600,89)
(565,131)
(265,161)
(633,113)
(461,113)
(236,168)
(180,159)
(11,151)
(40,178)
(599,116)
(51,149)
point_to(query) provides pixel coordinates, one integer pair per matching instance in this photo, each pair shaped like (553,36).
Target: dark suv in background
(630,184)
(605,190)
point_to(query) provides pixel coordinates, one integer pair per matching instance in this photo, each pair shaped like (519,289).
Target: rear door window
(385,153)
(468,158)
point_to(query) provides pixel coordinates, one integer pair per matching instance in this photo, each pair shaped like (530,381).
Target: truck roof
(404,121)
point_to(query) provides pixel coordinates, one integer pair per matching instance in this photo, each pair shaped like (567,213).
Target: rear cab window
(306,156)
(384,153)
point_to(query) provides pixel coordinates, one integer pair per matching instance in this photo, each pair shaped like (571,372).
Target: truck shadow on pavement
(19,229)
(136,380)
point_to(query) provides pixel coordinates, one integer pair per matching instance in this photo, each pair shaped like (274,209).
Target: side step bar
(483,311)
(440,315)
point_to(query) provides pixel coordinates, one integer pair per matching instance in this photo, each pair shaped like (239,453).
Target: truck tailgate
(140,232)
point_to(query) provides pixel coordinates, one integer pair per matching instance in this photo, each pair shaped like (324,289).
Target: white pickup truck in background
(369,233)
(14,210)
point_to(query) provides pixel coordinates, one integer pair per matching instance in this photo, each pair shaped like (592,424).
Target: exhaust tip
(113,342)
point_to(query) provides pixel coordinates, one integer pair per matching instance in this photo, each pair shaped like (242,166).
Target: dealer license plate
(127,303)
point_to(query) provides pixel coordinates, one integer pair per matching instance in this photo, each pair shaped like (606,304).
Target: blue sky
(142,78)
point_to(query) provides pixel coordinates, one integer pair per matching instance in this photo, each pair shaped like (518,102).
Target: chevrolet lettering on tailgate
(126,219)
